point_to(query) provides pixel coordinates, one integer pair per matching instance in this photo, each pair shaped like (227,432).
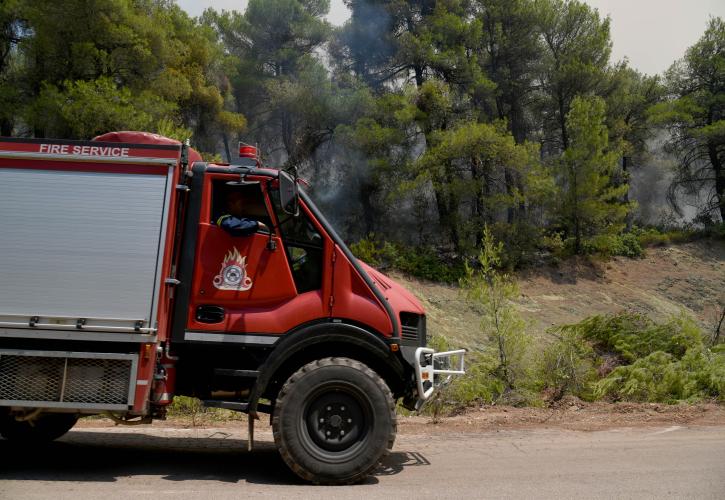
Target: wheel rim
(336,422)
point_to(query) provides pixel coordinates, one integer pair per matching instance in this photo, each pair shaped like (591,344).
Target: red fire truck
(118,291)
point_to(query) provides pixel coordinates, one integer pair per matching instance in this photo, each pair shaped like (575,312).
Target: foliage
(665,235)
(592,205)
(631,336)
(567,365)
(85,67)
(619,357)
(88,108)
(625,245)
(421,262)
(628,356)
(695,119)
(473,161)
(663,377)
(653,236)
(480,385)
(185,407)
(501,324)
(577,48)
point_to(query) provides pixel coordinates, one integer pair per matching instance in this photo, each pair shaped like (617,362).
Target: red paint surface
(272,304)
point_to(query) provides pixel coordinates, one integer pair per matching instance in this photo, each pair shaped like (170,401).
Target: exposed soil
(573,414)
(569,414)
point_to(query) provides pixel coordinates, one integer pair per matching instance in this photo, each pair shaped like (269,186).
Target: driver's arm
(239,227)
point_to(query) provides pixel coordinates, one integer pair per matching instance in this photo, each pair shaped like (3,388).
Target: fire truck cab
(119,290)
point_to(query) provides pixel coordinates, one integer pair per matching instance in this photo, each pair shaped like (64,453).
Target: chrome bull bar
(435,369)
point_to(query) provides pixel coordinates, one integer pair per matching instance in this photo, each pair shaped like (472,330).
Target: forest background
(450,139)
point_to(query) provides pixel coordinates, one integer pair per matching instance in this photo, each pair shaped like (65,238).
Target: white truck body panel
(79,245)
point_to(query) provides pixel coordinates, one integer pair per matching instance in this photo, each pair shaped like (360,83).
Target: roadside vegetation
(625,356)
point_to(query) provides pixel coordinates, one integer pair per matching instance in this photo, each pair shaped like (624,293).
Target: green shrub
(421,262)
(427,264)
(651,237)
(661,236)
(184,406)
(554,244)
(566,366)
(479,385)
(631,336)
(192,408)
(625,245)
(661,377)
(374,252)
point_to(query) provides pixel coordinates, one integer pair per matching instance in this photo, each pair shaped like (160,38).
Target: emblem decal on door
(233,274)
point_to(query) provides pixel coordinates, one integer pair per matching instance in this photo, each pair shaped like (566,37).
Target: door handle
(210,314)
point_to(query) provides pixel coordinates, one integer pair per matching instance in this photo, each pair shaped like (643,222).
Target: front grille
(71,380)
(412,329)
(410,333)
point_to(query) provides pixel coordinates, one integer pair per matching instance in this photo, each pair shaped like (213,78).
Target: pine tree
(695,119)
(592,207)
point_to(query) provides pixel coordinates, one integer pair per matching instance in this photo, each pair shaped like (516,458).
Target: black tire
(46,427)
(334,420)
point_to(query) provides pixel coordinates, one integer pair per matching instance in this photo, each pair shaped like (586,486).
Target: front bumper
(435,369)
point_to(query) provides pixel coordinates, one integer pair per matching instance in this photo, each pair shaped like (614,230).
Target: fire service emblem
(233,274)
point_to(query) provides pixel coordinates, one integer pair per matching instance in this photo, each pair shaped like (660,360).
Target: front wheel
(333,421)
(46,427)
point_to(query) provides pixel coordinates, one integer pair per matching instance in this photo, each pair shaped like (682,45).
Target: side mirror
(288,194)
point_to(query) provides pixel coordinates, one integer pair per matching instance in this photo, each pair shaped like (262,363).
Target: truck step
(236,405)
(227,372)
(227,405)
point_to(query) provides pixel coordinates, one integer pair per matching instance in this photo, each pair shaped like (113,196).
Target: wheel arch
(325,340)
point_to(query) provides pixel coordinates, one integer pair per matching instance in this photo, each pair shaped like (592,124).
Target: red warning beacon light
(249,151)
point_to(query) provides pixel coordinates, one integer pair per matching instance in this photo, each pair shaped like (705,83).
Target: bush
(658,362)
(655,236)
(651,237)
(625,245)
(566,366)
(193,409)
(631,336)
(374,253)
(479,385)
(421,262)
(620,357)
(427,264)
(661,377)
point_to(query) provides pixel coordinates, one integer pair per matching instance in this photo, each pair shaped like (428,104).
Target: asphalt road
(157,462)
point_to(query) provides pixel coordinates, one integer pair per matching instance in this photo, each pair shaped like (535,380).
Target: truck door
(246,287)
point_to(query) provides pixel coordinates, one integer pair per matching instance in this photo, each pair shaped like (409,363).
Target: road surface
(162,462)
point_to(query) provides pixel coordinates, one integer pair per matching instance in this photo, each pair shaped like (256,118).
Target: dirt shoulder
(569,414)
(572,414)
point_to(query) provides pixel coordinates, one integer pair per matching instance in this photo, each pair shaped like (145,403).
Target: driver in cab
(234,222)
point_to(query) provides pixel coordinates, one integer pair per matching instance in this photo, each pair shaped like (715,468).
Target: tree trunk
(367,192)
(562,121)
(625,167)
(448,217)
(719,171)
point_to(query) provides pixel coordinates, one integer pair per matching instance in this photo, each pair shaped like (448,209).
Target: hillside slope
(688,277)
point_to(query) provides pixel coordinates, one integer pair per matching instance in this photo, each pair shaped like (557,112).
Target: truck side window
(304,247)
(254,207)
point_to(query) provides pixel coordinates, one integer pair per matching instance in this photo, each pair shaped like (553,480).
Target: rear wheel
(333,421)
(46,427)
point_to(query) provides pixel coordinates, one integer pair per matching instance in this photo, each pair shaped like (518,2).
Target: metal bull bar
(435,369)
